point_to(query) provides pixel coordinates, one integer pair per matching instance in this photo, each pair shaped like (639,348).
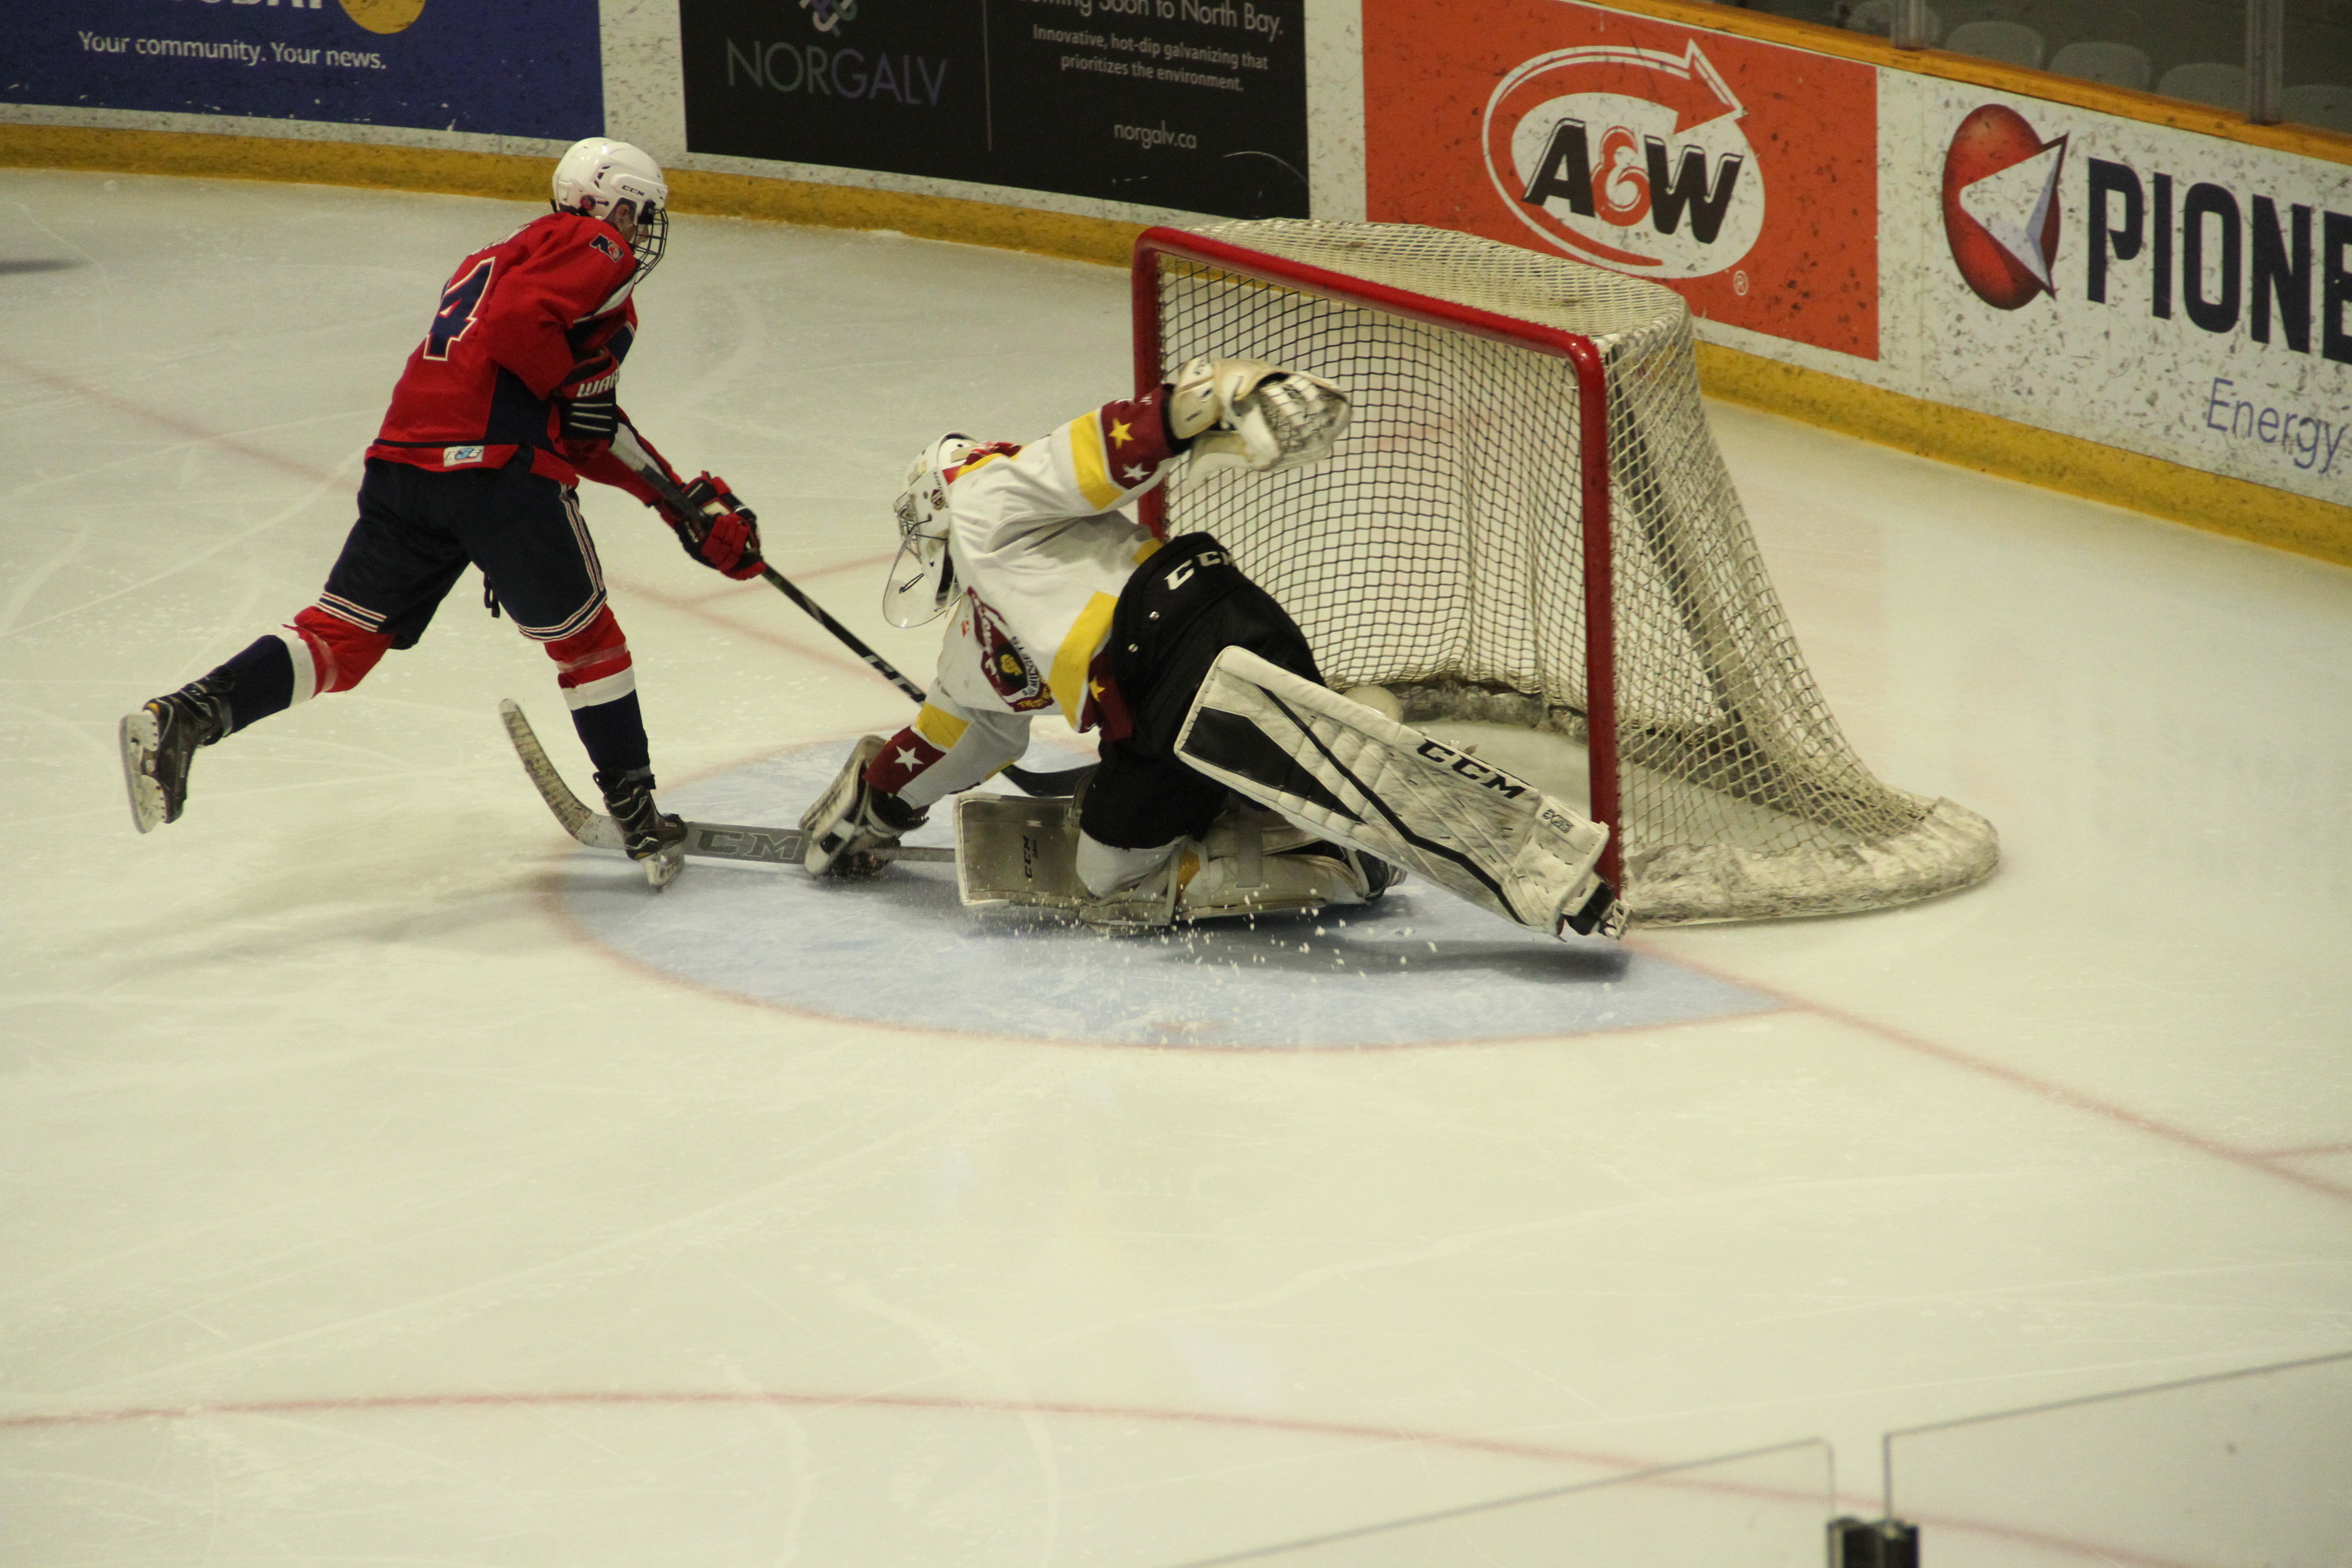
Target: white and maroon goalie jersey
(1041,555)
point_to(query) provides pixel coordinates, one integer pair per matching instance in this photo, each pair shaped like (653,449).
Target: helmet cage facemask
(642,219)
(650,234)
(922,575)
(594,179)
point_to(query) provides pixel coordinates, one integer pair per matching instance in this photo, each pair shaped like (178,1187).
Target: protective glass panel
(1765,1508)
(2252,1467)
(2317,64)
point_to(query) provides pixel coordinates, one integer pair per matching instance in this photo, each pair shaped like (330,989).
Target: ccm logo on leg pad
(1471,768)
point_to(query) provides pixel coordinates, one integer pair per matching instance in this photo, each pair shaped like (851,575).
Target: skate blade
(662,869)
(139,741)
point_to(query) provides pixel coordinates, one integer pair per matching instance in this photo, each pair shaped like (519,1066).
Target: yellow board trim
(2239,508)
(1992,445)
(1068,682)
(515,177)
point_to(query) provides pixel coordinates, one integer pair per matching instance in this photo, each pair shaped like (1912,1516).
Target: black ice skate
(646,833)
(160,740)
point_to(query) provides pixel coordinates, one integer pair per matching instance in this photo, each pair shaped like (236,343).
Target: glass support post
(1908,28)
(2265,55)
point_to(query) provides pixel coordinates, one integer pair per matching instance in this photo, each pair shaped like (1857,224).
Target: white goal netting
(1441,553)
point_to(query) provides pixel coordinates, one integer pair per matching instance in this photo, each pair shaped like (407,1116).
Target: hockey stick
(710,840)
(1060,782)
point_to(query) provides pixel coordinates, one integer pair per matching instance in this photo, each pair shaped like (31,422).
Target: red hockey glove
(588,400)
(724,533)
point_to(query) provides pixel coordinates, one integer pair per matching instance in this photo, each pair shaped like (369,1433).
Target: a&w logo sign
(1633,158)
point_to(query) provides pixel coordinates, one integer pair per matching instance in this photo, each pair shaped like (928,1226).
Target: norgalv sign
(1193,105)
(2176,295)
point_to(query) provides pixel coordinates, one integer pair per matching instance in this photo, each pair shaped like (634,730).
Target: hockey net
(1527,521)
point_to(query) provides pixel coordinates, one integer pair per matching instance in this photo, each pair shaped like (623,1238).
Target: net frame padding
(1439,553)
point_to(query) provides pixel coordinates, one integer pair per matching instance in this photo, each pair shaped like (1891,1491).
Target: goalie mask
(617,183)
(923,575)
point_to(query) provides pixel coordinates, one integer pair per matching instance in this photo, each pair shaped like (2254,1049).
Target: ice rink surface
(384,1180)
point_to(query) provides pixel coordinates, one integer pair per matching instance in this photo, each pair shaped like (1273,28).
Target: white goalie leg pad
(1147,903)
(1255,863)
(1126,889)
(1385,788)
(1220,885)
(1252,862)
(1106,869)
(1194,885)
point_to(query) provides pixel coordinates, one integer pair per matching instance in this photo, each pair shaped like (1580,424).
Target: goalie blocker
(1386,789)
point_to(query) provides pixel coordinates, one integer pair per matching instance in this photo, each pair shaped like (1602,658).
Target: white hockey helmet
(617,183)
(923,575)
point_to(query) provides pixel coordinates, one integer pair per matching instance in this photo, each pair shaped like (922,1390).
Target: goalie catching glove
(722,533)
(1247,414)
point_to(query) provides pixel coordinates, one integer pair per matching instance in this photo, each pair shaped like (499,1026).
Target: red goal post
(1155,243)
(1528,522)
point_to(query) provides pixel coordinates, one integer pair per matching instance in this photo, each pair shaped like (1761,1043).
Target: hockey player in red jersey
(505,406)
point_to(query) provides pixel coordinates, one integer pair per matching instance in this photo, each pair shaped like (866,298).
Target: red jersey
(514,319)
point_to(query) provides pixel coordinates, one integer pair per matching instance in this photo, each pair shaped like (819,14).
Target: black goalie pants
(1182,607)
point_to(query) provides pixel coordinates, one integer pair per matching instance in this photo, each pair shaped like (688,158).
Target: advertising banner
(523,67)
(1197,105)
(2181,296)
(1742,174)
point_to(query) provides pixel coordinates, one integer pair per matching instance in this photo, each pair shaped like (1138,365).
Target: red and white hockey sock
(599,686)
(331,651)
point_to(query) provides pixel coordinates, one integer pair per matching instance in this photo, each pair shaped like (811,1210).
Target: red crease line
(2264,1165)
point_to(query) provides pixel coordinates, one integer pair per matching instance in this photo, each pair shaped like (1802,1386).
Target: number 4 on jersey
(458,303)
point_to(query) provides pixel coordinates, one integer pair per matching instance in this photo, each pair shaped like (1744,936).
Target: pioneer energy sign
(1742,174)
(2177,295)
(2001,206)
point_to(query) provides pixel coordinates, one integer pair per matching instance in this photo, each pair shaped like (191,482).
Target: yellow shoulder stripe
(981,461)
(1068,680)
(1093,464)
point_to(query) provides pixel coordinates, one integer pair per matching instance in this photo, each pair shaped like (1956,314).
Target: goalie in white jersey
(1059,601)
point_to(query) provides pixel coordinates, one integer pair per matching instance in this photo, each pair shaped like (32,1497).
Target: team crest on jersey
(1012,672)
(607,246)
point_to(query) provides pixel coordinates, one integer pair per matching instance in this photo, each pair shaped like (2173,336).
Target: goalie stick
(707,841)
(648,468)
